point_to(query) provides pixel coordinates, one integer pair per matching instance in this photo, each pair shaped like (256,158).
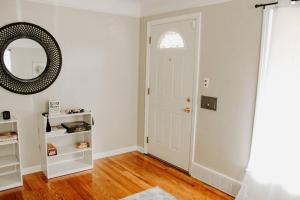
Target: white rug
(155,193)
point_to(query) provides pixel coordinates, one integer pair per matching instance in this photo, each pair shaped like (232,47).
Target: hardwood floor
(114,178)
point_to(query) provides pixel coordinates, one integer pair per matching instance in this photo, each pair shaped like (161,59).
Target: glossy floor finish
(114,178)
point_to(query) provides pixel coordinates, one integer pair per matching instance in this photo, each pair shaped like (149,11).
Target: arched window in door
(171,40)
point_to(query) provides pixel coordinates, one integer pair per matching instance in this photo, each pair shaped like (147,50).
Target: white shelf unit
(10,158)
(69,159)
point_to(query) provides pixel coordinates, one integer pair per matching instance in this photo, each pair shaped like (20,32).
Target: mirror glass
(25,58)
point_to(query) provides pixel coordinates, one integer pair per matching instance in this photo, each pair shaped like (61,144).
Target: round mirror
(25,59)
(30,58)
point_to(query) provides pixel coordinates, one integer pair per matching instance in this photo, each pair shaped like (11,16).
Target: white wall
(99,72)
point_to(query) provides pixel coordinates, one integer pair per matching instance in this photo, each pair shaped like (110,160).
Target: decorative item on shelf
(8,136)
(74,110)
(82,145)
(58,130)
(6,115)
(48,127)
(52,151)
(53,107)
(77,126)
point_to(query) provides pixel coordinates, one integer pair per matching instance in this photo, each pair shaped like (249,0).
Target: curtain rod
(266,4)
(270,4)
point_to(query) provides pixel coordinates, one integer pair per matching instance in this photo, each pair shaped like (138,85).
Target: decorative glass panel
(171,40)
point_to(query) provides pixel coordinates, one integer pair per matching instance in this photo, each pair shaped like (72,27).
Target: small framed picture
(54,107)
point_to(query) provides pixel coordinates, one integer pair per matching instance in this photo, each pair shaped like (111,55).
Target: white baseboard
(140,149)
(31,170)
(220,181)
(114,152)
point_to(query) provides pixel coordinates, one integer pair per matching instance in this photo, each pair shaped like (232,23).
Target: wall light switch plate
(206,82)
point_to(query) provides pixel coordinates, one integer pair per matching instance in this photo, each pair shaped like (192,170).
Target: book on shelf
(8,136)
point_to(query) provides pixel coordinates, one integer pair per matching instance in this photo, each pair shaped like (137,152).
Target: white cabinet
(69,158)
(10,159)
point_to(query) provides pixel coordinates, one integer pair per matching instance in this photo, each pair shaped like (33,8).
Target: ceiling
(135,8)
(152,7)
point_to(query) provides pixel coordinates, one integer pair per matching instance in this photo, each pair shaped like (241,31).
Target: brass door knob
(187,110)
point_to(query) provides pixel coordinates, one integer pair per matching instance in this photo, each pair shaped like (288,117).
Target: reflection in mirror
(25,58)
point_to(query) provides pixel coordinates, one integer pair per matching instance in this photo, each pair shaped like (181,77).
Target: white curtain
(274,168)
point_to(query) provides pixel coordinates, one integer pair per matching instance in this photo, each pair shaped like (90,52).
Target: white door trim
(197,17)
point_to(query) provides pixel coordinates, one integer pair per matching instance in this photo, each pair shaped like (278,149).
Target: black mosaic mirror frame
(19,30)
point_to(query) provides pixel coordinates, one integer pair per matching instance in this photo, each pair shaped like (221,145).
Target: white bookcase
(69,159)
(10,159)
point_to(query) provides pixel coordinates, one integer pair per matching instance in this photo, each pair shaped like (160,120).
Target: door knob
(187,110)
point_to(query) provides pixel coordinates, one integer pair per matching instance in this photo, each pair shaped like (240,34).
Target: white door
(172,69)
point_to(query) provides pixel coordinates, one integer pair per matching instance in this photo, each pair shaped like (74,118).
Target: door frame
(196,99)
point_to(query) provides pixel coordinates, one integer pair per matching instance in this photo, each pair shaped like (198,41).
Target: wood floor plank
(114,178)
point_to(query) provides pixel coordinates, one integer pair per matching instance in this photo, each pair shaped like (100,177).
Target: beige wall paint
(99,72)
(230,45)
